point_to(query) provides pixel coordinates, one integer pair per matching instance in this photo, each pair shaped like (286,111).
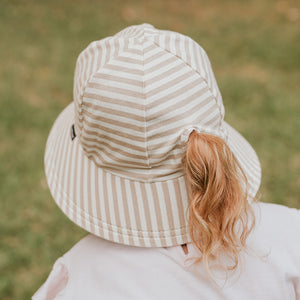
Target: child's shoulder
(278,226)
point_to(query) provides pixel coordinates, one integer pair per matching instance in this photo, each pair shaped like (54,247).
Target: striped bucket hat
(113,156)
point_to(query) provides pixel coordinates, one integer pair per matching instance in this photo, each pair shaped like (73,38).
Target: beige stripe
(124,69)
(154,57)
(204,65)
(106,148)
(187,51)
(179,103)
(162,155)
(196,52)
(136,212)
(173,130)
(173,83)
(85,68)
(75,187)
(117,47)
(164,75)
(156,201)
(134,51)
(97,57)
(105,200)
(112,131)
(102,203)
(104,137)
(120,113)
(141,208)
(130,60)
(165,143)
(70,178)
(149,48)
(121,103)
(115,78)
(93,64)
(59,166)
(88,195)
(97,200)
(167,41)
(118,223)
(51,157)
(145,200)
(114,89)
(108,50)
(115,161)
(139,175)
(209,120)
(177,44)
(180,207)
(176,93)
(169,210)
(81,193)
(126,211)
(102,119)
(181,114)
(160,65)
(65,167)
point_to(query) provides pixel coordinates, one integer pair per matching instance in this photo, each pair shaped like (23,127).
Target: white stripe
(131,211)
(115,155)
(121,203)
(175,213)
(111,206)
(98,113)
(77,183)
(183,193)
(164,212)
(110,143)
(133,132)
(171,73)
(85,192)
(117,63)
(182,110)
(120,73)
(152,212)
(103,216)
(180,86)
(188,119)
(112,135)
(141,209)
(114,95)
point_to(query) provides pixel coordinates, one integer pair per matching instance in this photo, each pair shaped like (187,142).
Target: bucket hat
(113,156)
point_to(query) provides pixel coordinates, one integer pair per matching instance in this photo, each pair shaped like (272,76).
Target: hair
(219,208)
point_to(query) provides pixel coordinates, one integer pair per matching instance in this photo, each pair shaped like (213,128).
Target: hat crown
(135,95)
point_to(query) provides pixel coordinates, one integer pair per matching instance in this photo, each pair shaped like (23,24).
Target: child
(144,161)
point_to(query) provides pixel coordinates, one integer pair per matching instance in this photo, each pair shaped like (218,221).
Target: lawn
(255,52)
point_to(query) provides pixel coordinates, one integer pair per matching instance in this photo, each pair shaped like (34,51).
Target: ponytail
(219,210)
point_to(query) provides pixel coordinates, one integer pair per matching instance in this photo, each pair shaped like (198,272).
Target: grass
(253,47)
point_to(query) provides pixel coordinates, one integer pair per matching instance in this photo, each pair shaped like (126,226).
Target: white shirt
(98,269)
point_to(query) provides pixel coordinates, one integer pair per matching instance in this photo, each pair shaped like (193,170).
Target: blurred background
(254,48)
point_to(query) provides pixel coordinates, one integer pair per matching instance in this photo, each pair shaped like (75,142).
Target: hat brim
(118,209)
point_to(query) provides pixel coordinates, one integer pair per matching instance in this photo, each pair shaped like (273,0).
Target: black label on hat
(73,134)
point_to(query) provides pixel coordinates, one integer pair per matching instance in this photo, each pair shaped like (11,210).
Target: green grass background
(254,47)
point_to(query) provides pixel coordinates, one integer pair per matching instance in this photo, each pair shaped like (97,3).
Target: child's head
(144,99)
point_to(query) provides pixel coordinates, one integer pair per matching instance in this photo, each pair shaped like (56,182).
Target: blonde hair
(219,210)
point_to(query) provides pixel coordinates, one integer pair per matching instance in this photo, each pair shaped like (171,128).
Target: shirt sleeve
(55,284)
(297,237)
